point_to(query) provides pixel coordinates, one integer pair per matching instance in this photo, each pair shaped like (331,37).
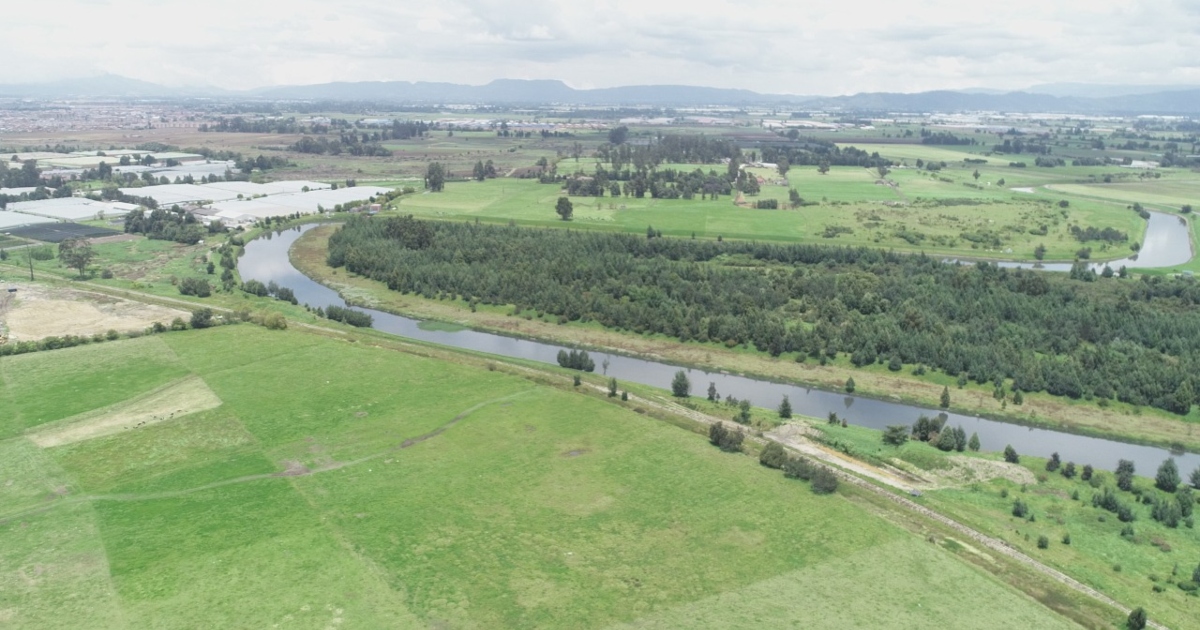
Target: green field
(921,213)
(342,484)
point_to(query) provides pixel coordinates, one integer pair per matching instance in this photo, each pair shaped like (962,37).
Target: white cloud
(766,45)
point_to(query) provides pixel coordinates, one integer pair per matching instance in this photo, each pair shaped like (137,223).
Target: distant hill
(1100,90)
(1066,97)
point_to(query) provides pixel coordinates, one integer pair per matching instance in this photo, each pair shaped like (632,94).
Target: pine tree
(1010,455)
(612,387)
(681,387)
(1137,619)
(712,392)
(1167,478)
(974,443)
(850,385)
(1053,463)
(1195,478)
(945,402)
(785,408)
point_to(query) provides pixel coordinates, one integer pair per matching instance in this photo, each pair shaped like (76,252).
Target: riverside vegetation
(1135,341)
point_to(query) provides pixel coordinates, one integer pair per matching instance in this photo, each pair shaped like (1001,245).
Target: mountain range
(1060,97)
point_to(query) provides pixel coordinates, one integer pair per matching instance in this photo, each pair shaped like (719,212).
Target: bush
(1043,542)
(1020,509)
(202,318)
(773,455)
(724,439)
(824,481)
(1010,455)
(798,468)
(198,287)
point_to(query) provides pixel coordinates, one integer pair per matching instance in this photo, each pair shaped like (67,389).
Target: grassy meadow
(344,484)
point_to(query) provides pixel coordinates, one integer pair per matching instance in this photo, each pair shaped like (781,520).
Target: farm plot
(346,485)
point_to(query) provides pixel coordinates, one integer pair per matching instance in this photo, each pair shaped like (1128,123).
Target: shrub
(358,319)
(202,318)
(773,455)
(1043,542)
(824,481)
(195,286)
(1010,455)
(724,439)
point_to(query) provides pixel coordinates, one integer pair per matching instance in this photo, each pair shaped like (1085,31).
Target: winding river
(266,259)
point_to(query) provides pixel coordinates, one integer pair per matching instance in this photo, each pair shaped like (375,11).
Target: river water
(266,259)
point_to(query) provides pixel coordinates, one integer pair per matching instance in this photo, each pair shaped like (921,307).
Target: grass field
(346,485)
(934,216)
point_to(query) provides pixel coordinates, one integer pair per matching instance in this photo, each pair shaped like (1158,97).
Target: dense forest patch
(1130,340)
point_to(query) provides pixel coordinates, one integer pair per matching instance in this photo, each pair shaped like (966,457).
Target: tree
(794,198)
(712,392)
(564,208)
(743,414)
(478,172)
(1020,510)
(823,167)
(612,387)
(1167,478)
(1068,471)
(783,166)
(1043,541)
(975,174)
(895,434)
(1086,475)
(435,177)
(1195,478)
(1053,463)
(1125,470)
(1039,252)
(946,440)
(850,385)
(681,387)
(618,135)
(785,408)
(1137,619)
(1010,455)
(945,401)
(76,253)
(974,443)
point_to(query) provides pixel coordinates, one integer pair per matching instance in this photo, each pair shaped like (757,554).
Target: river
(266,259)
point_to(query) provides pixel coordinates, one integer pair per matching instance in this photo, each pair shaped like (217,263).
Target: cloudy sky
(776,46)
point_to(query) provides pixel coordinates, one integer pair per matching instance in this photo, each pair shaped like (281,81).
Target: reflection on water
(266,259)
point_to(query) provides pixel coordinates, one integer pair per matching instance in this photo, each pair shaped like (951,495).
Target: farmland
(389,489)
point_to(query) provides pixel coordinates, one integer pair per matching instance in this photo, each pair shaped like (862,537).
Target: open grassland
(914,211)
(344,485)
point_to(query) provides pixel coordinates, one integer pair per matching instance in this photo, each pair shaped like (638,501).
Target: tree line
(1137,341)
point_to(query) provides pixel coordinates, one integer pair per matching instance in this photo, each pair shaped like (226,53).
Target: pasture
(849,206)
(344,484)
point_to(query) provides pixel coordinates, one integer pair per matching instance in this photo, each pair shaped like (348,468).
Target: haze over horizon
(773,47)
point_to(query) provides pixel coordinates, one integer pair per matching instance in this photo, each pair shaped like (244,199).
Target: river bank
(1119,421)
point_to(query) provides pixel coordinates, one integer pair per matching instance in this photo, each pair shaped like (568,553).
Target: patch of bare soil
(970,469)
(293,468)
(36,312)
(172,401)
